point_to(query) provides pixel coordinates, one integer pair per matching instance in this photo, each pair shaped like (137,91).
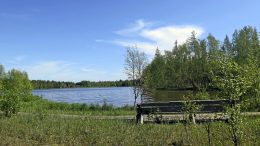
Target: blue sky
(73,40)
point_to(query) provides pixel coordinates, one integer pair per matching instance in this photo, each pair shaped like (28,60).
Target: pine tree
(227,46)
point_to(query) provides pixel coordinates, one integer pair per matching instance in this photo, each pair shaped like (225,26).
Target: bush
(9,105)
(15,87)
(202,95)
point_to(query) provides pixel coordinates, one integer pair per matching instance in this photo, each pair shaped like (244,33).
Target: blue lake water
(117,96)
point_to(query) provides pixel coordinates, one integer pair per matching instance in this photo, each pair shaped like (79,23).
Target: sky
(74,40)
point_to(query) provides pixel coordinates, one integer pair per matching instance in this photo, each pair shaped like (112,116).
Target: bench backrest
(206,106)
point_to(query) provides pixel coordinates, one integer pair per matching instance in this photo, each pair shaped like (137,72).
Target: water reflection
(117,96)
(165,95)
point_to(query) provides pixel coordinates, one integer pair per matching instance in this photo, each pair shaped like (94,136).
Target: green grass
(36,104)
(42,127)
(51,130)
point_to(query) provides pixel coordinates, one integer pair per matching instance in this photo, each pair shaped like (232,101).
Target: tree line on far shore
(46,84)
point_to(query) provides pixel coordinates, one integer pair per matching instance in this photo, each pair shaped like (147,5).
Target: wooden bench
(177,107)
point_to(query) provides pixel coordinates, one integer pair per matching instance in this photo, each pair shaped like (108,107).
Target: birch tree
(135,63)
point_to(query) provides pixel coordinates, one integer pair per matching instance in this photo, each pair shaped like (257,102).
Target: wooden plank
(222,101)
(207,106)
(154,109)
(211,102)
(162,104)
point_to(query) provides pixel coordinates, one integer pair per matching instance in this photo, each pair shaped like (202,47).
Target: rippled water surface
(118,96)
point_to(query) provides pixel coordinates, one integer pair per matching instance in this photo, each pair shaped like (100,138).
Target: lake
(117,96)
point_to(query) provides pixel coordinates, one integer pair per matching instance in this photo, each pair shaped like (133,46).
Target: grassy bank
(38,105)
(43,127)
(51,130)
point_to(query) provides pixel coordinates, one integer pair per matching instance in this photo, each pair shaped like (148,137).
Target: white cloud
(163,37)
(166,36)
(51,70)
(148,47)
(138,25)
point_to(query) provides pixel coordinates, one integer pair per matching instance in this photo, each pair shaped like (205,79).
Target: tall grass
(44,128)
(37,104)
(51,130)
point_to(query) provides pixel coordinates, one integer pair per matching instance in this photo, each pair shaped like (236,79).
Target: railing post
(142,119)
(139,115)
(193,119)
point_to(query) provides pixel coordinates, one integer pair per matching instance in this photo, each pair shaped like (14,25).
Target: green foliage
(183,67)
(189,65)
(235,121)
(227,47)
(56,130)
(2,71)
(246,45)
(190,109)
(2,75)
(156,71)
(41,113)
(231,79)
(42,107)
(9,103)
(15,87)
(252,97)
(203,95)
(234,81)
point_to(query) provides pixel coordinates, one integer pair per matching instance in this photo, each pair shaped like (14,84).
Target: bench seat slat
(182,102)
(216,108)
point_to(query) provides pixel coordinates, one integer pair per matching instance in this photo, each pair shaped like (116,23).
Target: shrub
(15,87)
(201,95)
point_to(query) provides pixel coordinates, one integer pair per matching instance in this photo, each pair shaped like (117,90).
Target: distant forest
(43,84)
